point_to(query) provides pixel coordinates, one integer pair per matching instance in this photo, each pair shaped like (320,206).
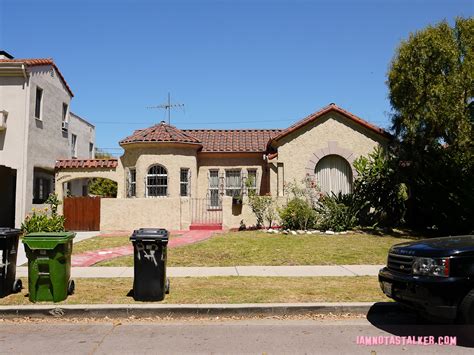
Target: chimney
(5,55)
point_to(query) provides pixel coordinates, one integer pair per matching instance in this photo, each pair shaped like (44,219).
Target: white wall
(14,95)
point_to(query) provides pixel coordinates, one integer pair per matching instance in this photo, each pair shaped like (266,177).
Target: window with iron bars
(132,182)
(157,182)
(214,200)
(184,182)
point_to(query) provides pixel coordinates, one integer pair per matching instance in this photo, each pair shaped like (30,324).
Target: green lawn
(227,290)
(259,248)
(100,242)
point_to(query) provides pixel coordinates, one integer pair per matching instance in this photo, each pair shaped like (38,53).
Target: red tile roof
(35,62)
(233,140)
(86,163)
(161,132)
(331,107)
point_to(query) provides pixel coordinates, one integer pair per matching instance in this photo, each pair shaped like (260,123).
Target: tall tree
(431,83)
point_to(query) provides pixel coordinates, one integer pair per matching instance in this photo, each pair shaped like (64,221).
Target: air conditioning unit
(65,126)
(3,120)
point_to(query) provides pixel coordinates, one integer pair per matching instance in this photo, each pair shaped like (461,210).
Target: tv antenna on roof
(168,106)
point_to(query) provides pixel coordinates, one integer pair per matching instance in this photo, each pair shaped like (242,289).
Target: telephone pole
(168,106)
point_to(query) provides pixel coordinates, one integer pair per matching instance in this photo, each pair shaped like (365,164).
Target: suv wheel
(466,308)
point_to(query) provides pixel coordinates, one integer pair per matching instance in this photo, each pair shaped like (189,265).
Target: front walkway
(265,271)
(92,257)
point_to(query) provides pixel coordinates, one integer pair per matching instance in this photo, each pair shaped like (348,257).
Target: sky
(232,63)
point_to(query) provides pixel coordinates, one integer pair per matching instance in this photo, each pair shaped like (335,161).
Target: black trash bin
(149,260)
(8,253)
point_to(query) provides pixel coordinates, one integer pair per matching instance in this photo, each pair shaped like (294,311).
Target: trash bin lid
(9,232)
(47,240)
(50,235)
(152,234)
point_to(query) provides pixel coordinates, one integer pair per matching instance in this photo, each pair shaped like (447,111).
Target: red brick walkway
(90,258)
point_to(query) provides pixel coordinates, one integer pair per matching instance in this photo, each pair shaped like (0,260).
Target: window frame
(185,184)
(132,182)
(213,191)
(91,150)
(41,189)
(156,186)
(39,105)
(254,187)
(73,145)
(237,190)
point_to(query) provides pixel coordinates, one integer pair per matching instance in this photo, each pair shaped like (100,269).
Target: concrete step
(205,226)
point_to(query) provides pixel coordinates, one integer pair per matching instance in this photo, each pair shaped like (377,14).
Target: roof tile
(110,163)
(161,132)
(233,140)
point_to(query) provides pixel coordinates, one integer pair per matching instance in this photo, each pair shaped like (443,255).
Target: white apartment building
(36,129)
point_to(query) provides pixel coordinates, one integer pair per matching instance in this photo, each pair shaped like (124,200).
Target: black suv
(433,276)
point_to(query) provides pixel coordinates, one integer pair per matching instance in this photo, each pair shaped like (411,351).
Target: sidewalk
(263,271)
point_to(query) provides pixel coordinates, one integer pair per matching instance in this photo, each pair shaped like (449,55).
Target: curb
(173,310)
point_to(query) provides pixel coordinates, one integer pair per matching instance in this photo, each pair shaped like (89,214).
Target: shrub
(260,206)
(379,193)
(40,221)
(298,214)
(337,212)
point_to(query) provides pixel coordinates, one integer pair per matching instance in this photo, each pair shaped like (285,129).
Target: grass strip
(226,290)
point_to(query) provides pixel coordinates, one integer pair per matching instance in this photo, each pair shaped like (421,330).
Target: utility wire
(205,123)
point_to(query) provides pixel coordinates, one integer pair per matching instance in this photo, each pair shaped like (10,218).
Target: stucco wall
(172,156)
(223,161)
(85,133)
(47,142)
(296,151)
(172,213)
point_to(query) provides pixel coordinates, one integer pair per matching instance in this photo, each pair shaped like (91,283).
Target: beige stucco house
(36,128)
(179,179)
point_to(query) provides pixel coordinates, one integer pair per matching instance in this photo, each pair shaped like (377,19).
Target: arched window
(334,174)
(157,181)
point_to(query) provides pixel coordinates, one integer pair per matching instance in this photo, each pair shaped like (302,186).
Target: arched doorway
(334,174)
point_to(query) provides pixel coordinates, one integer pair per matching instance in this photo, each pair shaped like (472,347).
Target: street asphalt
(305,335)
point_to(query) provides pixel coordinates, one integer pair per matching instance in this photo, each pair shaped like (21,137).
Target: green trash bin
(49,265)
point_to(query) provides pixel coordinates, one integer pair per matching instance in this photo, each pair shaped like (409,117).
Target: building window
(91,150)
(65,122)
(334,175)
(73,146)
(157,182)
(252,181)
(38,102)
(214,200)
(42,189)
(184,182)
(233,183)
(132,183)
